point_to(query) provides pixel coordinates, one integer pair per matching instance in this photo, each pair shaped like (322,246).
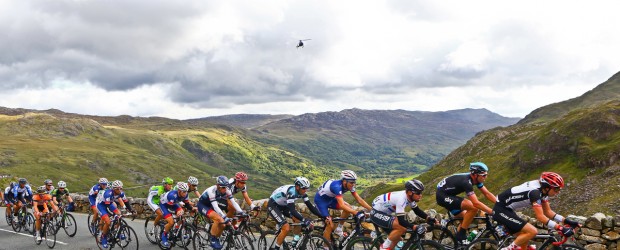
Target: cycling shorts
(278,212)
(450,202)
(381,219)
(93,200)
(205,209)
(106,210)
(508,218)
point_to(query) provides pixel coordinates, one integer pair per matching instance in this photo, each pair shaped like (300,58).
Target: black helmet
(222,181)
(22,181)
(414,185)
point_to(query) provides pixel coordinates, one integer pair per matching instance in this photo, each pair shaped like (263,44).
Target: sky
(190,59)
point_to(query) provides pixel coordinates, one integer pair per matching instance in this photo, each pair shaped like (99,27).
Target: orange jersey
(40,200)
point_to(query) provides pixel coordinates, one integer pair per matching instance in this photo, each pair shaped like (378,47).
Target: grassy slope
(583,146)
(79,151)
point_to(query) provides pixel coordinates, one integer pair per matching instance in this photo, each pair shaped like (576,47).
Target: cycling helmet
(22,181)
(478,167)
(192,180)
(222,181)
(348,175)
(167,180)
(48,182)
(62,184)
(302,182)
(41,189)
(414,185)
(103,181)
(182,186)
(551,179)
(241,176)
(117,184)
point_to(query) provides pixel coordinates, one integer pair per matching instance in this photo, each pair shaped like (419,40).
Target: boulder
(591,239)
(596,246)
(611,236)
(608,222)
(595,221)
(591,232)
(580,219)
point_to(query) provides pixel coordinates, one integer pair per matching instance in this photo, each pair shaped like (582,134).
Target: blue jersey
(107,198)
(332,189)
(94,191)
(171,199)
(25,191)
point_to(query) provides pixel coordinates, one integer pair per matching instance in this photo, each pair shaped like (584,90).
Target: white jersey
(522,196)
(393,202)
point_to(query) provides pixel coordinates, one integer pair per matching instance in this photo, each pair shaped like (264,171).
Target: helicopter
(301,43)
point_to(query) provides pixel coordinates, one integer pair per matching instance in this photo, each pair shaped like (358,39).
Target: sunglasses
(483,175)
(49,185)
(242,182)
(557,189)
(221,186)
(417,193)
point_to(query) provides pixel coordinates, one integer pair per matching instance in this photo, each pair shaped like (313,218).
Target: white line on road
(30,235)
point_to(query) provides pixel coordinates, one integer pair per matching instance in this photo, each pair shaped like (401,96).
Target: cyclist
(208,206)
(282,203)
(106,206)
(534,194)
(49,186)
(21,194)
(170,203)
(155,193)
(93,193)
(236,185)
(192,182)
(451,186)
(9,198)
(330,194)
(62,192)
(41,201)
(395,202)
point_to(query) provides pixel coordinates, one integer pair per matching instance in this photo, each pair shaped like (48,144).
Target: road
(82,240)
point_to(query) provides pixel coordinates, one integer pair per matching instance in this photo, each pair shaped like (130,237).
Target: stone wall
(599,231)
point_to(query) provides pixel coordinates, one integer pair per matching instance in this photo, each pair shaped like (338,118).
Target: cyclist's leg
(37,217)
(93,208)
(388,222)
(515,225)
(469,211)
(157,210)
(217,227)
(324,210)
(275,212)
(454,205)
(18,206)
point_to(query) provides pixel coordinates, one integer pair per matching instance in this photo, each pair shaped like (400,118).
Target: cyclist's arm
(247,199)
(540,216)
(344,206)
(197,193)
(474,199)
(403,221)
(312,207)
(420,212)
(217,209)
(488,194)
(548,212)
(361,201)
(235,204)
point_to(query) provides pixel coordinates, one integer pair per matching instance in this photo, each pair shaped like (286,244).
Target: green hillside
(581,143)
(381,144)
(140,152)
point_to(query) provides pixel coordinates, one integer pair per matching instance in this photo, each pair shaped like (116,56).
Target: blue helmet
(478,167)
(222,181)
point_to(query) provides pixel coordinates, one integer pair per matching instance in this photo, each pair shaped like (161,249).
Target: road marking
(30,235)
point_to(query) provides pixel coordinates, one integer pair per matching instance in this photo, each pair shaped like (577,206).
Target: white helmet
(348,175)
(192,180)
(62,184)
(41,189)
(103,181)
(117,184)
(182,186)
(302,182)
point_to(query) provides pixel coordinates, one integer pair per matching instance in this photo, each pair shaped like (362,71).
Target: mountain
(139,151)
(578,138)
(380,143)
(246,121)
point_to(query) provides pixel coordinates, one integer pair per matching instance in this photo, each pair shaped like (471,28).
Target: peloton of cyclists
(208,206)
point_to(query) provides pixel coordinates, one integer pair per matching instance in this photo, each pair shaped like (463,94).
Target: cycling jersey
(458,183)
(326,196)
(41,201)
(287,194)
(59,194)
(155,193)
(94,192)
(22,192)
(170,202)
(106,202)
(8,196)
(393,202)
(234,189)
(49,190)
(209,198)
(522,196)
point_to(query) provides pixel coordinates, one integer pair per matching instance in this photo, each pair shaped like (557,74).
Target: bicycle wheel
(483,244)
(240,241)
(253,231)
(186,234)
(69,225)
(317,242)
(49,234)
(127,238)
(201,239)
(443,236)
(9,219)
(16,225)
(92,228)
(151,231)
(359,243)
(200,221)
(426,244)
(262,240)
(570,247)
(29,223)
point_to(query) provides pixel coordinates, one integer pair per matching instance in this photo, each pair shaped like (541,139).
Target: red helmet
(241,176)
(552,179)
